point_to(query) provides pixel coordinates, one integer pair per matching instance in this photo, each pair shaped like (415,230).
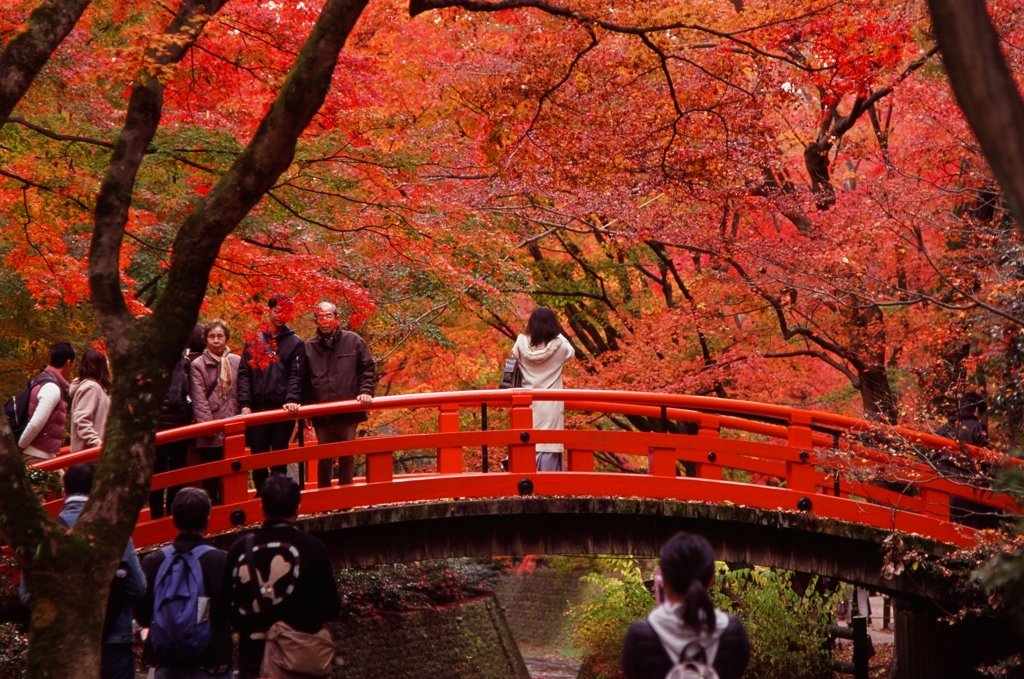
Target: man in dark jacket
(339,367)
(176,411)
(270,377)
(191,511)
(968,427)
(293,583)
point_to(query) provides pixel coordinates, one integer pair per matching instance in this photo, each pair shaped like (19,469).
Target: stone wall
(536,604)
(468,641)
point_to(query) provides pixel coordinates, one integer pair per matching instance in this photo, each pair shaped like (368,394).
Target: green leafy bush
(47,484)
(599,626)
(788,631)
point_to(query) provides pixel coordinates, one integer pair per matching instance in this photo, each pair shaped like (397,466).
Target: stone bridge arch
(516,526)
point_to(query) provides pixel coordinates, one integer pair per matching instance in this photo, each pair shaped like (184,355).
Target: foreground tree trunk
(68,571)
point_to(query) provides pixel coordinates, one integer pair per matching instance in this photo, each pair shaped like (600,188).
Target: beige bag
(291,654)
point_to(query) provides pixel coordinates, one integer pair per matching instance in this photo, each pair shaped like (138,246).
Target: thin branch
(57,136)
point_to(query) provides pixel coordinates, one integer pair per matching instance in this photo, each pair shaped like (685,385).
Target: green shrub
(599,626)
(788,631)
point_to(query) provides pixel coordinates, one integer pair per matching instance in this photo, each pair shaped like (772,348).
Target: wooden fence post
(580,460)
(800,475)
(449,460)
(522,458)
(709,429)
(235,487)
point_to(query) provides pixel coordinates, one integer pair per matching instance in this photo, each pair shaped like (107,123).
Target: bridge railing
(822,464)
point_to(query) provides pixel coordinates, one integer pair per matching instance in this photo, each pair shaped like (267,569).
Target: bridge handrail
(685,408)
(814,453)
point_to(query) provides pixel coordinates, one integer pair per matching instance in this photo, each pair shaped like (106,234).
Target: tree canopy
(810,202)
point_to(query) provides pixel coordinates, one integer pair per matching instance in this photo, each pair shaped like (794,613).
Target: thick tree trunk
(877,396)
(68,571)
(28,51)
(985,89)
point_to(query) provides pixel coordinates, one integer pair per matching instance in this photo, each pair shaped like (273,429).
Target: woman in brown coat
(214,395)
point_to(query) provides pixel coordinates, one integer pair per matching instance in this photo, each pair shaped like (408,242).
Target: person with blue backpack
(189,632)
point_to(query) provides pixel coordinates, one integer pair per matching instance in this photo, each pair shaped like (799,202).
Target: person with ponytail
(686,625)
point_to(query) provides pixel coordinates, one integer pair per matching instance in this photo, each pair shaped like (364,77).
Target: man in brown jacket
(339,367)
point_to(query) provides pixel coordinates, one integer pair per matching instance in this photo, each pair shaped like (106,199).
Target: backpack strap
(201,549)
(165,565)
(693,650)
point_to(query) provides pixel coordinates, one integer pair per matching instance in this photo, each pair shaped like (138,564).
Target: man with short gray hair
(339,367)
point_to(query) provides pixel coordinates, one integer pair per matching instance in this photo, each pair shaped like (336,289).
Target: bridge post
(662,462)
(449,460)
(709,428)
(522,459)
(580,461)
(380,467)
(235,486)
(935,502)
(801,475)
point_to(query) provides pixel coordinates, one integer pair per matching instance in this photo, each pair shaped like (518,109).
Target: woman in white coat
(542,350)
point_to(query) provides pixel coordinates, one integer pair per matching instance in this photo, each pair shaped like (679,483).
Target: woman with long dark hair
(89,401)
(686,626)
(542,351)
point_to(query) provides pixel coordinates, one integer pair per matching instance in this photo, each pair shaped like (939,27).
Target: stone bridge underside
(516,526)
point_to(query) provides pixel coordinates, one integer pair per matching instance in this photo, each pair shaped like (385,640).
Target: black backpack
(16,408)
(178,394)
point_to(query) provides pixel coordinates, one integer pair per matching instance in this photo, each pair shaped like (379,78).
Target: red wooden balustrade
(834,466)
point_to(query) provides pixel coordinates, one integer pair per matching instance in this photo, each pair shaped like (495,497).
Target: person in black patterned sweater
(294,581)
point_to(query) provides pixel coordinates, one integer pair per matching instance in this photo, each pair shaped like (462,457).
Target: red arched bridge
(822,467)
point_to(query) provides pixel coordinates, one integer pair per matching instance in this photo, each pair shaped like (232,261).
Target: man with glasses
(339,367)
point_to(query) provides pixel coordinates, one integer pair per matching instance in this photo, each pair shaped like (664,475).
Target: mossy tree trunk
(67,571)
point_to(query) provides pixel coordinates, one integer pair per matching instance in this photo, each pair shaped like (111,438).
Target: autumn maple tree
(777,201)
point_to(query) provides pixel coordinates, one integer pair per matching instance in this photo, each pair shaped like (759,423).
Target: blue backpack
(181,616)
